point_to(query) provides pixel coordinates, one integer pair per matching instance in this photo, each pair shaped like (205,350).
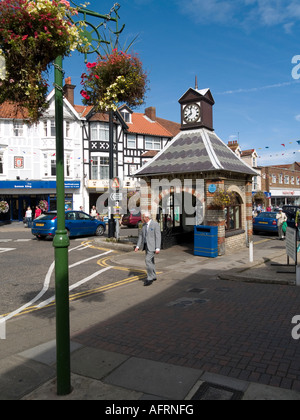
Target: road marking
(7,249)
(45,288)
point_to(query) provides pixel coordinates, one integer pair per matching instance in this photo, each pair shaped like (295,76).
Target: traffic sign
(115,183)
(116,196)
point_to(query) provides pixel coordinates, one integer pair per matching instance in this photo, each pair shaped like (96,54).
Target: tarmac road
(189,332)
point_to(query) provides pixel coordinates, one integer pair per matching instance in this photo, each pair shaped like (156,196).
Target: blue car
(265,222)
(77,224)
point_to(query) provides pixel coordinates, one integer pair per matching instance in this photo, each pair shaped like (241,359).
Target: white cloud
(243,12)
(257,89)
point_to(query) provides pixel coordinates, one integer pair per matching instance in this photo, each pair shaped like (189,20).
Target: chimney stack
(69,90)
(151,113)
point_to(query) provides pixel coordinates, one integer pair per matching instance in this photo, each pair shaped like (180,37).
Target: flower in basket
(223,199)
(32,34)
(4,207)
(115,78)
(43,204)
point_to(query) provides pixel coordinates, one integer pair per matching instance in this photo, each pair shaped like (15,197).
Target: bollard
(251,256)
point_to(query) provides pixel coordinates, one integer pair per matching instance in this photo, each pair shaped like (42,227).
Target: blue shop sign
(37,185)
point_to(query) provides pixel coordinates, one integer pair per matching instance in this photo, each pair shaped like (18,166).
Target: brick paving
(239,330)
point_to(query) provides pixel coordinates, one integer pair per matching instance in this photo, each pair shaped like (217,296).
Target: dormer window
(126,116)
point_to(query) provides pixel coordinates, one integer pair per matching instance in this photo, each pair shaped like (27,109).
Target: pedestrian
(28,217)
(258,209)
(150,241)
(281,219)
(38,212)
(94,212)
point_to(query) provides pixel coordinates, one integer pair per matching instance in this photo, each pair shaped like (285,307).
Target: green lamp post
(61,240)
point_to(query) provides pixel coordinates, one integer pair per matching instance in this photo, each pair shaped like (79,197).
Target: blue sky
(241,49)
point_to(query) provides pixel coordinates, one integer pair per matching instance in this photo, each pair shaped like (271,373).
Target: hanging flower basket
(32,34)
(116,78)
(224,199)
(4,207)
(43,205)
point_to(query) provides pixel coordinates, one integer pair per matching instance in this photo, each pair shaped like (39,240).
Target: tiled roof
(195,151)
(12,110)
(83,110)
(143,125)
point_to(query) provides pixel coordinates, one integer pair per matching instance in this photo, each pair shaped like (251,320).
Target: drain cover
(184,302)
(199,291)
(213,392)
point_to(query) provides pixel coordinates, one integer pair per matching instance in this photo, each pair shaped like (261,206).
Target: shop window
(233,215)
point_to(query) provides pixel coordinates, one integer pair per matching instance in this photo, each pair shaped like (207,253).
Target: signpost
(61,241)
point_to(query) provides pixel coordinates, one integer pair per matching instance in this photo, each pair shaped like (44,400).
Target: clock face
(191,113)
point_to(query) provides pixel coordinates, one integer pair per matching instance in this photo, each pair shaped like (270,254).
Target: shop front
(21,194)
(282,197)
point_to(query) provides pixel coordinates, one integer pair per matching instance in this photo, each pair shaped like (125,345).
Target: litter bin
(206,241)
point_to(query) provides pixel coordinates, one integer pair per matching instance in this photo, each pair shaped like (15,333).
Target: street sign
(116,196)
(116,183)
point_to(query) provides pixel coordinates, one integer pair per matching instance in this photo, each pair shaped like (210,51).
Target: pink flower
(91,65)
(65,3)
(97,77)
(24,37)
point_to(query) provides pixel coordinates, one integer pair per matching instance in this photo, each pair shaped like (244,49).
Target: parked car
(265,222)
(290,212)
(131,219)
(78,223)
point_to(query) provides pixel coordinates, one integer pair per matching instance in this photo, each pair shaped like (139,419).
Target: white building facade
(28,153)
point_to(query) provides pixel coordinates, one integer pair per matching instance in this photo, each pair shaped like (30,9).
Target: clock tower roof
(193,94)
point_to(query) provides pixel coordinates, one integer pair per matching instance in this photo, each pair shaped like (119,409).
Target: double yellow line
(102,263)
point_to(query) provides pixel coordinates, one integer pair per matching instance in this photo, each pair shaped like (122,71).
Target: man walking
(150,241)
(281,219)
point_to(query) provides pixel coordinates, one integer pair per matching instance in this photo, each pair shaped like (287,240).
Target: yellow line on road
(102,263)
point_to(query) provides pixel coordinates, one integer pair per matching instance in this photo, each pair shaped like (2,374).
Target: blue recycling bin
(206,241)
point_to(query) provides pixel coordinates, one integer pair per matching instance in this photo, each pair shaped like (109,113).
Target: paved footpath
(206,329)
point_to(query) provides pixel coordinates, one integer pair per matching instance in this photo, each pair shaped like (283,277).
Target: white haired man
(150,241)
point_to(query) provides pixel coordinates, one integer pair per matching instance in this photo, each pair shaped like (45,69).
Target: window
(131,141)
(68,165)
(233,215)
(45,129)
(18,129)
(1,164)
(100,167)
(53,129)
(126,116)
(152,143)
(292,180)
(274,179)
(298,180)
(68,129)
(280,179)
(53,167)
(286,179)
(99,131)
